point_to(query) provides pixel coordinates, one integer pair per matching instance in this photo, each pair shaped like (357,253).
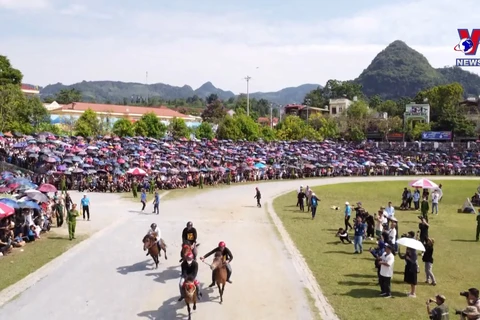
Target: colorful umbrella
(5,211)
(10,202)
(47,188)
(424,184)
(137,172)
(36,195)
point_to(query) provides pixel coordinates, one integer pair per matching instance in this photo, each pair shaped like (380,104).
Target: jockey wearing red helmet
(227,258)
(189,272)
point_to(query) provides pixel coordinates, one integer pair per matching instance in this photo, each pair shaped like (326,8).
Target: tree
(326,126)
(228,129)
(249,129)
(12,100)
(212,98)
(88,124)
(8,74)
(391,107)
(267,133)
(204,131)
(123,128)
(178,128)
(391,124)
(415,129)
(335,89)
(214,112)
(315,98)
(140,129)
(375,102)
(68,96)
(294,128)
(440,98)
(154,127)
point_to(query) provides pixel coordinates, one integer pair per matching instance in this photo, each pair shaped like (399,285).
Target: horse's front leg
(220,292)
(165,251)
(223,290)
(189,311)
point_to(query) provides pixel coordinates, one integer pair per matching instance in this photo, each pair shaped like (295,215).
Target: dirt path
(109,277)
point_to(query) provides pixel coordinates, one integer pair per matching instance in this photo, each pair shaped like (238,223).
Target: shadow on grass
(370,293)
(341,252)
(301,218)
(357,275)
(58,238)
(463,240)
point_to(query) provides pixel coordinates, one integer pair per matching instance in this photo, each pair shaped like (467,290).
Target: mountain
(400,71)
(115,91)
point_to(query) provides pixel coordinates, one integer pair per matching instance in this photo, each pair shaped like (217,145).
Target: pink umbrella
(424,184)
(137,172)
(5,211)
(47,188)
(121,160)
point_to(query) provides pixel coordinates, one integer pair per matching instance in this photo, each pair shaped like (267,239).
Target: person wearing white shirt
(392,232)
(435,198)
(390,211)
(155,231)
(380,220)
(386,262)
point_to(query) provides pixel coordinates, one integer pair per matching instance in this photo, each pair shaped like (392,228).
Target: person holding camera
(469,313)
(472,298)
(440,312)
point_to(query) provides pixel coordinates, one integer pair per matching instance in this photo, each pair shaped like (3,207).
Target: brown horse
(219,269)
(186,249)
(150,244)
(190,296)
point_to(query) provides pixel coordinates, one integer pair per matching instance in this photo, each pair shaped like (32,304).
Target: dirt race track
(108,276)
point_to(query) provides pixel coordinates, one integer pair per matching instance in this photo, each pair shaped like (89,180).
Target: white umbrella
(424,184)
(411,243)
(36,195)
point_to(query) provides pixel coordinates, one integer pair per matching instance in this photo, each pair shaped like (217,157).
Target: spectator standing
(348,213)
(143,199)
(478,227)
(258,196)
(156,202)
(300,200)
(427,258)
(314,204)
(410,273)
(424,207)
(360,229)
(85,207)
(72,221)
(386,263)
(435,199)
(416,199)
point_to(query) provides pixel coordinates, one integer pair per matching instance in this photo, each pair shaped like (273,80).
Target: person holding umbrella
(410,257)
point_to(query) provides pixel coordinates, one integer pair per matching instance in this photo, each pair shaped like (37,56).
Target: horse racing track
(109,276)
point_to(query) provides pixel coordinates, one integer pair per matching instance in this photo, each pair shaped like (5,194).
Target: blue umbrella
(28,205)
(10,202)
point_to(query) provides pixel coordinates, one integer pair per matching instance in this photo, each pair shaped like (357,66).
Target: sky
(189,42)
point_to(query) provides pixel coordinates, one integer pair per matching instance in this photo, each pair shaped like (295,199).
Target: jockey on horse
(189,237)
(155,231)
(189,271)
(227,258)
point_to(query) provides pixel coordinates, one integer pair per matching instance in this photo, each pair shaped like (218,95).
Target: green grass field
(350,281)
(19,264)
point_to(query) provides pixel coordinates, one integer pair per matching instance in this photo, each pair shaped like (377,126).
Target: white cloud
(74,10)
(190,48)
(24,4)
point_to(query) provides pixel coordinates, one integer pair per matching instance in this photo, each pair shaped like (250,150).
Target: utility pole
(271,115)
(247,78)
(146,84)
(307,104)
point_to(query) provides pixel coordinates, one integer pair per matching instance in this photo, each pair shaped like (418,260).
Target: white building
(338,106)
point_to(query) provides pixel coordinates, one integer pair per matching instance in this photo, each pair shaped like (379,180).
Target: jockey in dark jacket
(227,258)
(189,271)
(189,236)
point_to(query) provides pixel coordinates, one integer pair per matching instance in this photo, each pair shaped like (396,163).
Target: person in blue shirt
(359,229)
(348,212)
(85,207)
(156,202)
(143,199)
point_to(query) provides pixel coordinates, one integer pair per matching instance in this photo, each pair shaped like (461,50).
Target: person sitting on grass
(5,244)
(343,235)
(18,241)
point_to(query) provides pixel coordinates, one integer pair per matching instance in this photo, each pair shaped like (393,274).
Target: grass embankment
(19,264)
(350,281)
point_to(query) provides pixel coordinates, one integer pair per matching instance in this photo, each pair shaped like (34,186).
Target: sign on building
(437,135)
(417,112)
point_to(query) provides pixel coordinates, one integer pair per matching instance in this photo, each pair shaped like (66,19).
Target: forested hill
(400,71)
(116,92)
